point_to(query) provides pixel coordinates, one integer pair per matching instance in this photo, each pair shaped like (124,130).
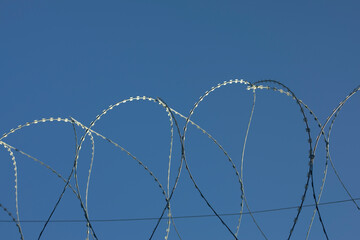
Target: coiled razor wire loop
(169,192)
(326,139)
(232,163)
(223,150)
(311,158)
(333,115)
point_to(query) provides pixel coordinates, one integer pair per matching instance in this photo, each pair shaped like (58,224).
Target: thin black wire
(183,217)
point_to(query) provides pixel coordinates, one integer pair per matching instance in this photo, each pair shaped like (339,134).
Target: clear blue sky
(75,58)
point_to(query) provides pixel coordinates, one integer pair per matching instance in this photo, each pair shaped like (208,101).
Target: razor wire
(167,189)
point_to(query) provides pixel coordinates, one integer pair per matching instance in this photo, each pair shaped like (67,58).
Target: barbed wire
(168,191)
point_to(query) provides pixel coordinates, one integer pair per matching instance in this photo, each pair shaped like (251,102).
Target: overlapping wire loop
(180,132)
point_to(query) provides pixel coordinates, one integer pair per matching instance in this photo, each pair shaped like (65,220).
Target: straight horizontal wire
(180,217)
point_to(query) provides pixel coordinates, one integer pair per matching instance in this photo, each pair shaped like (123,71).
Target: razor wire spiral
(177,131)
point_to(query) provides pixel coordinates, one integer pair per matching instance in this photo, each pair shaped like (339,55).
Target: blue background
(75,58)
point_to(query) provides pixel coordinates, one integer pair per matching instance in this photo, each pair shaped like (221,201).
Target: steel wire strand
(311,158)
(229,158)
(333,116)
(326,164)
(187,167)
(326,143)
(17,220)
(312,154)
(242,159)
(335,110)
(16,186)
